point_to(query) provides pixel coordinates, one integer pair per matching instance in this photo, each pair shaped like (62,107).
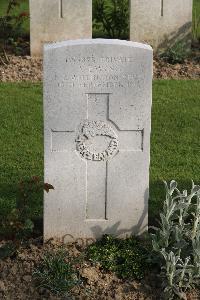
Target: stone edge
(56,45)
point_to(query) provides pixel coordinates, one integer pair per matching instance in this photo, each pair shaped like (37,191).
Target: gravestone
(97,113)
(161,23)
(58,20)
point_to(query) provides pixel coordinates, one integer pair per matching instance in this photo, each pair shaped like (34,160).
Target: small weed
(127,258)
(7,250)
(175,54)
(56,273)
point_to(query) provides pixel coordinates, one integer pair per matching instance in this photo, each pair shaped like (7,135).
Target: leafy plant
(175,54)
(56,273)
(7,250)
(11,29)
(111,17)
(127,258)
(20,221)
(177,241)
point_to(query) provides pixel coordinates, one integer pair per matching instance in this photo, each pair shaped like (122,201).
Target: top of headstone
(56,45)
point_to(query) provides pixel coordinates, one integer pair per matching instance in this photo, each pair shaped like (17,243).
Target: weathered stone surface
(97,113)
(161,23)
(57,20)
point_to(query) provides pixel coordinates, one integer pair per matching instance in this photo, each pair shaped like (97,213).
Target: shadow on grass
(9,196)
(12,200)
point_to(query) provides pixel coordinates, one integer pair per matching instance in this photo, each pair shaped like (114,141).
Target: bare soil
(25,68)
(190,69)
(17,282)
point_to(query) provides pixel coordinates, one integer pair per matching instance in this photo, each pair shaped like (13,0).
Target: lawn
(196,5)
(175,136)
(21,140)
(174,141)
(24,6)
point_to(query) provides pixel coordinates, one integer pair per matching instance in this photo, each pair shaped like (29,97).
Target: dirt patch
(16,279)
(189,70)
(25,68)
(21,68)
(17,282)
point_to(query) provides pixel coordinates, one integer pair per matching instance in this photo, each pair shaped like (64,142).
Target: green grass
(21,140)
(175,136)
(56,273)
(196,20)
(174,141)
(196,5)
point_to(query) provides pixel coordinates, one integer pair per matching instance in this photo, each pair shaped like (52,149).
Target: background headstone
(97,113)
(58,20)
(161,23)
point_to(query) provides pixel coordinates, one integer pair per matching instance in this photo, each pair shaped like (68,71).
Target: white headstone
(58,20)
(161,23)
(97,114)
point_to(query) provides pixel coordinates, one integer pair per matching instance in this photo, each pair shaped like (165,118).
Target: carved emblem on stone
(96,141)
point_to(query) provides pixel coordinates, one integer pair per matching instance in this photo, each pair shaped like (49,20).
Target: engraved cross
(99,140)
(61,8)
(162,8)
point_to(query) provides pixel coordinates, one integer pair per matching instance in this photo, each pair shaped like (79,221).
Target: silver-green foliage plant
(177,241)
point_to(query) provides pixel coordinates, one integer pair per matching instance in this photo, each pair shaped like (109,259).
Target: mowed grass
(196,20)
(196,7)
(21,140)
(175,139)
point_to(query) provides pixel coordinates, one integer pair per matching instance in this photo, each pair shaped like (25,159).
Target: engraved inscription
(95,59)
(100,80)
(87,132)
(69,239)
(92,72)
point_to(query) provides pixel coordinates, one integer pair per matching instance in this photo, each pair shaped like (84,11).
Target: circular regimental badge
(96,141)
